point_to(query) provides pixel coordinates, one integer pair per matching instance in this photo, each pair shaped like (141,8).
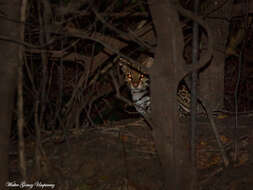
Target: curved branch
(205,58)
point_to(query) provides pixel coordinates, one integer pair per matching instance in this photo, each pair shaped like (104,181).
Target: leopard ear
(122,64)
(149,62)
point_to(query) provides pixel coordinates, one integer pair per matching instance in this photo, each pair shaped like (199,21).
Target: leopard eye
(129,76)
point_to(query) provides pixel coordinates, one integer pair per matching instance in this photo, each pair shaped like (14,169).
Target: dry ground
(122,156)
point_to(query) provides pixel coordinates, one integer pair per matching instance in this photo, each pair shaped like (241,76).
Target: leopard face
(133,74)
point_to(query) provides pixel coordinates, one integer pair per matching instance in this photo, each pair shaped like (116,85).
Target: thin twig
(20,98)
(38,139)
(28,45)
(216,133)
(195,50)
(238,84)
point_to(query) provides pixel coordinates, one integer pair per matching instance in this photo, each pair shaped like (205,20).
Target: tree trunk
(9,60)
(171,138)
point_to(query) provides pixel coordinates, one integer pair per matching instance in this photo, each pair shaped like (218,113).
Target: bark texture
(8,71)
(171,138)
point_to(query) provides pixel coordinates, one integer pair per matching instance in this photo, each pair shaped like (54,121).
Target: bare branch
(128,36)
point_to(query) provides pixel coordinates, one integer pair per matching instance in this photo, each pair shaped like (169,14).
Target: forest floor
(122,156)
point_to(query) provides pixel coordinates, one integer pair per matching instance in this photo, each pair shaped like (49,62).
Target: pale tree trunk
(8,72)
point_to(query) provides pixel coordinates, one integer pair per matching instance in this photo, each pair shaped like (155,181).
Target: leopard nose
(135,84)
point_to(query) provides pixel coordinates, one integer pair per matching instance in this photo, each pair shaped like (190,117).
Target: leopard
(138,82)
